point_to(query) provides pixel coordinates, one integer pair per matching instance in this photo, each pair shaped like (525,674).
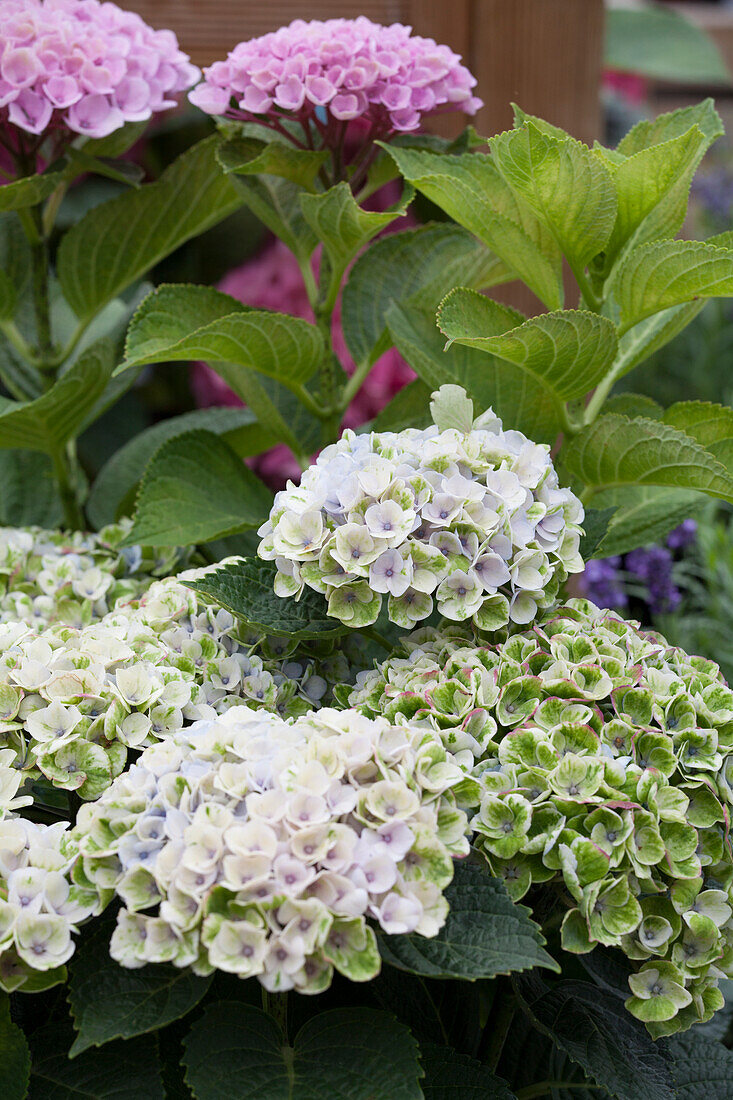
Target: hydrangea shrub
(603,759)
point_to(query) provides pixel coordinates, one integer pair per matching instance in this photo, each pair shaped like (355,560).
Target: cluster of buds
(471,518)
(84,67)
(73,702)
(74,578)
(260,847)
(40,908)
(322,73)
(605,760)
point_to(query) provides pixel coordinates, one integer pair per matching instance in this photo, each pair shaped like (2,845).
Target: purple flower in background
(682,536)
(714,192)
(653,565)
(602,583)
(83,67)
(340,69)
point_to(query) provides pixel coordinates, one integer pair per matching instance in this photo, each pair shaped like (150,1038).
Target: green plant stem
(16,339)
(313,407)
(542,1088)
(276,1005)
(41,303)
(592,300)
(65,468)
(500,1024)
(370,632)
(587,495)
(355,383)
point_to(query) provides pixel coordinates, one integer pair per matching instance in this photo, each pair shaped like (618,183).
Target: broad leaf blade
(470,189)
(246,156)
(195,489)
(711,425)
(672,124)
(173,325)
(348,1054)
(701,1068)
(29,191)
(245,588)
(615,452)
(516,396)
(569,351)
(343,226)
(485,934)
(564,183)
(121,1071)
(29,493)
(655,277)
(429,260)
(119,476)
(644,514)
(15,1057)
(118,241)
(663,44)
(109,1001)
(450,1075)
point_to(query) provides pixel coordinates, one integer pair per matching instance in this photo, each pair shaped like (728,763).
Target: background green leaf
(121,1071)
(453,1076)
(195,489)
(661,43)
(15,1057)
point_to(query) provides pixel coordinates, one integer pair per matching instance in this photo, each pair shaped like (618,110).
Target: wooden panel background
(543,54)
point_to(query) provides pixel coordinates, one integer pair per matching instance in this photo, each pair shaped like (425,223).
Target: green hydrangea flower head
(604,761)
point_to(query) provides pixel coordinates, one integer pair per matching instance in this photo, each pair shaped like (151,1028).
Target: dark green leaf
(595,526)
(194,489)
(597,1032)
(235,1050)
(118,241)
(702,1070)
(180,323)
(645,514)
(429,260)
(122,1071)
(109,1001)
(410,408)
(47,423)
(633,404)
(123,471)
(29,494)
(453,1076)
(29,191)
(246,589)
(15,1057)
(485,934)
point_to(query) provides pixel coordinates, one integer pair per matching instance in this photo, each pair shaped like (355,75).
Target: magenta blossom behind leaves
(341,69)
(85,67)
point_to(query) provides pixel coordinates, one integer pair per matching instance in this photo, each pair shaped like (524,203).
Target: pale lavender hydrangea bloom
(471,520)
(260,847)
(349,68)
(85,66)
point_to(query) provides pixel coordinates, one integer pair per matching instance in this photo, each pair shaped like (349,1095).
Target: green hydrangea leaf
(615,452)
(18,507)
(428,261)
(343,226)
(518,397)
(701,1067)
(195,489)
(121,1071)
(118,241)
(246,156)
(711,425)
(663,44)
(485,934)
(114,484)
(29,191)
(595,524)
(178,323)
(109,1001)
(657,276)
(645,514)
(245,588)
(472,192)
(593,1028)
(449,1075)
(672,124)
(566,185)
(15,1056)
(569,351)
(348,1054)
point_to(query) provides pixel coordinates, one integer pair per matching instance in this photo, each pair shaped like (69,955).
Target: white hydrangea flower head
(463,515)
(73,702)
(74,578)
(40,908)
(261,847)
(604,762)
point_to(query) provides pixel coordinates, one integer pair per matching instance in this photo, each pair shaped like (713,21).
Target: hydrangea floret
(605,758)
(83,67)
(40,908)
(260,846)
(73,702)
(75,578)
(463,515)
(326,74)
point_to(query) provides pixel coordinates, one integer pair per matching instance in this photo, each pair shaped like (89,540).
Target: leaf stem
(371,632)
(355,383)
(500,1023)
(591,299)
(65,465)
(41,304)
(276,1005)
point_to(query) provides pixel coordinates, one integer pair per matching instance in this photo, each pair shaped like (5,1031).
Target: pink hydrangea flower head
(83,67)
(338,70)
